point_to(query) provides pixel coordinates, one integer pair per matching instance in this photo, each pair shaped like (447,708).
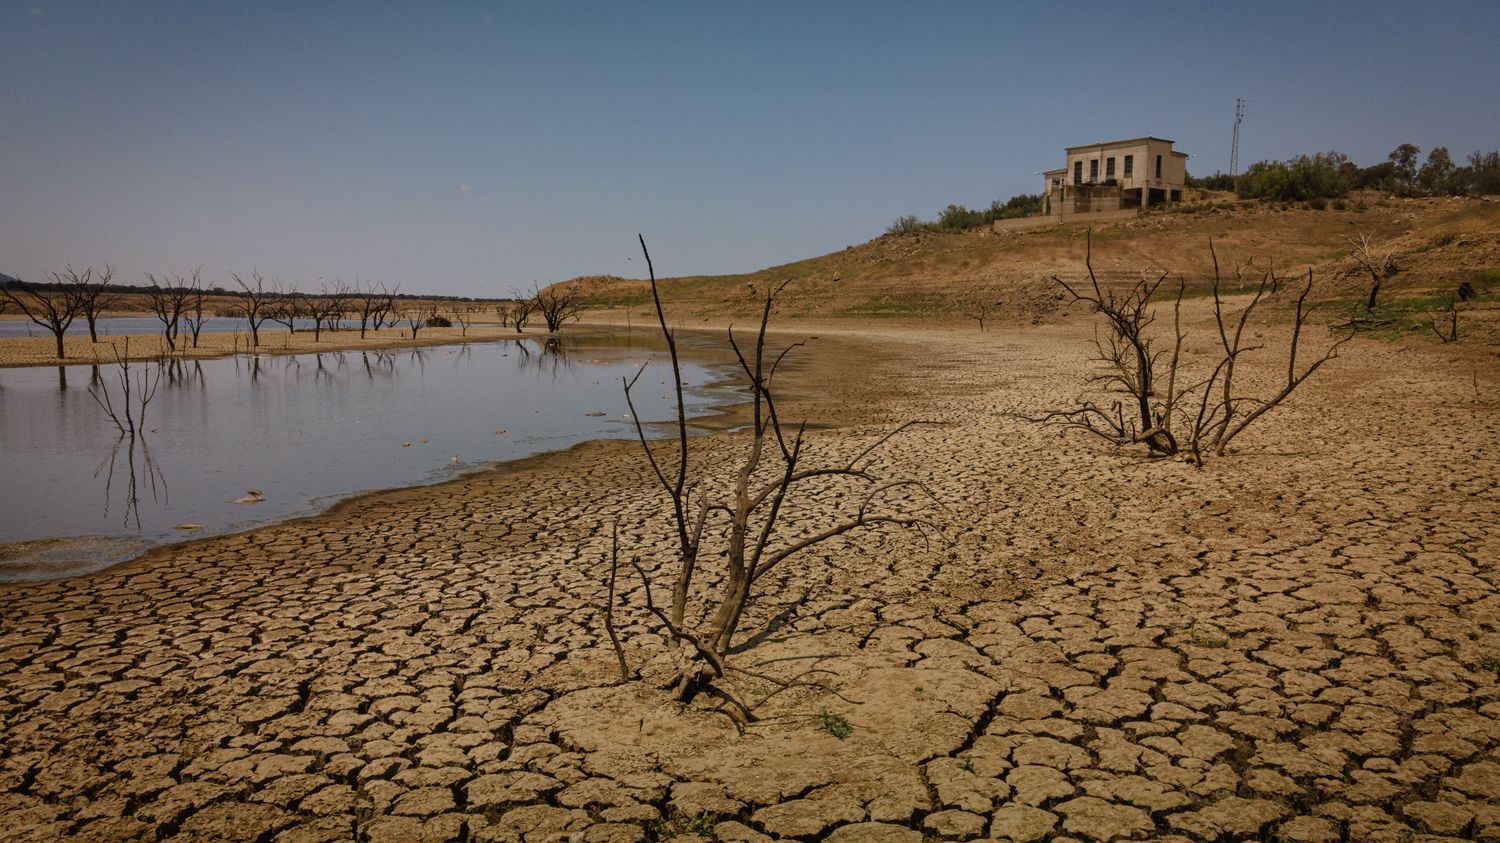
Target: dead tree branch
(1379,267)
(763,489)
(1132,361)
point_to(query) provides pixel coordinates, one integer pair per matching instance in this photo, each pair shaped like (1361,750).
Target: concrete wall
(1037,223)
(1025,224)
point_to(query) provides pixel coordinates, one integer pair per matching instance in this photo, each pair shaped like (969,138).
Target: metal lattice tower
(1234,148)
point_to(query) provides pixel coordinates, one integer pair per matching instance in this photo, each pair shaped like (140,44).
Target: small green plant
(919,690)
(701,823)
(1339,204)
(966,763)
(834,724)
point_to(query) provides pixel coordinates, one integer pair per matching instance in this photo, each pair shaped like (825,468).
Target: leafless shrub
(1378,266)
(462,318)
(979,304)
(517,312)
(750,511)
(1135,359)
(1443,319)
(416,317)
(53,308)
(558,305)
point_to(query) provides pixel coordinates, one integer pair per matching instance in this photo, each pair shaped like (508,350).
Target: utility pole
(1234,149)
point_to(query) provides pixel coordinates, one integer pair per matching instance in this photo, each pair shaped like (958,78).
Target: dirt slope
(1436,243)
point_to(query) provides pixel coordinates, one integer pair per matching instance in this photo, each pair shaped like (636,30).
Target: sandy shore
(42,350)
(1300,642)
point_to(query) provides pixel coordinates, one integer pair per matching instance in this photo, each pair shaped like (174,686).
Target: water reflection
(124,399)
(305,429)
(136,460)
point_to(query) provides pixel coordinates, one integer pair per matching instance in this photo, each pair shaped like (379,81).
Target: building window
(1109,169)
(1078,172)
(1129,165)
(1158,166)
(1093,169)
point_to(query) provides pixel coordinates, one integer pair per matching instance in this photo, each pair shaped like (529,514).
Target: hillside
(1437,243)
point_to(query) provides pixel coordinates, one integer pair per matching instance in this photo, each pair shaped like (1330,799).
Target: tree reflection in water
(124,401)
(131,454)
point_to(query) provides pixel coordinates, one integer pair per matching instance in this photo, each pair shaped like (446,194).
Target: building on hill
(1114,178)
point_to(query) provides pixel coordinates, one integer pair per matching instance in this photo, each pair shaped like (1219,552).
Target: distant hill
(930,274)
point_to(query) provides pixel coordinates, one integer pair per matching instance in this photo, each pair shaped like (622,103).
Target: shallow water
(304,430)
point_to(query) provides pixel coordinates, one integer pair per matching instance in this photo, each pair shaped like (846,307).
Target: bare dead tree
(609,603)
(256,303)
(195,315)
(1131,355)
(54,307)
(461,317)
(289,307)
(1379,267)
(1237,412)
(1443,320)
(1128,357)
(979,305)
(558,304)
(416,318)
(367,302)
(519,311)
(376,305)
(324,309)
(125,405)
(95,296)
(168,298)
(128,410)
(774,467)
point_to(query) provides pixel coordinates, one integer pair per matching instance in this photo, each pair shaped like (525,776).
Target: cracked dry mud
(1296,643)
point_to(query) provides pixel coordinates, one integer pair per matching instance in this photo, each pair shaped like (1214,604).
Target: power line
(1234,148)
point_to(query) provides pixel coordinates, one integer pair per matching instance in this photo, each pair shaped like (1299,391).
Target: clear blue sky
(469,148)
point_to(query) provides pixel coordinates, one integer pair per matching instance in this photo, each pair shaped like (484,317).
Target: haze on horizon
(471,148)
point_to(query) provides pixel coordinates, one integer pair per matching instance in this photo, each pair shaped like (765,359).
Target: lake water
(304,430)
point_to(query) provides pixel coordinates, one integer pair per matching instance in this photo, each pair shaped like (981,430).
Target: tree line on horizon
(1332,175)
(183,303)
(1321,175)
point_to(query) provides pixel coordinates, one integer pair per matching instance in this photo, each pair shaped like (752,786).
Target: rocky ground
(1297,642)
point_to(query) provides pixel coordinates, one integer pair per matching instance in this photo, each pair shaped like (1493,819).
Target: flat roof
(1116,143)
(1058,170)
